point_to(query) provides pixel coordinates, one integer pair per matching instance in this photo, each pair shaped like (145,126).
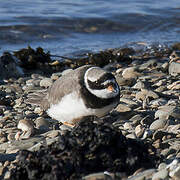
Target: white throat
(100,93)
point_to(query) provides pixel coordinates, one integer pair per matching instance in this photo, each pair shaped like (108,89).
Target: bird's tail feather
(36,97)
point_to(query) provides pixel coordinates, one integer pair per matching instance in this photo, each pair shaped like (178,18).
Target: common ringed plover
(85,91)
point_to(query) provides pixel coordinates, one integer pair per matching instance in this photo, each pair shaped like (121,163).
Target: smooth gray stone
(158,124)
(174,68)
(162,174)
(143,175)
(22,144)
(46,82)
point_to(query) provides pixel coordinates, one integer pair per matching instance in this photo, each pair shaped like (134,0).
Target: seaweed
(88,148)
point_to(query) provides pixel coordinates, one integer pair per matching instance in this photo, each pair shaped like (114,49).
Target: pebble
(174,168)
(162,174)
(7,175)
(147,174)
(158,102)
(127,126)
(28,88)
(174,69)
(144,93)
(36,76)
(166,111)
(50,141)
(149,64)
(1,170)
(6,163)
(3,139)
(30,82)
(38,110)
(96,176)
(11,136)
(131,136)
(46,82)
(175,174)
(123,108)
(123,82)
(53,133)
(139,85)
(174,86)
(136,119)
(174,128)
(139,130)
(158,124)
(165,66)
(167,152)
(55,76)
(130,72)
(131,103)
(161,89)
(162,166)
(27,127)
(147,133)
(42,124)
(14,146)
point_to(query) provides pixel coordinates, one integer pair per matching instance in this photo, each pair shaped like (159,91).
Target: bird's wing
(65,85)
(69,83)
(36,97)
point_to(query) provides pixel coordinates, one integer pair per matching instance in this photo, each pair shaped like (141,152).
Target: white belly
(72,107)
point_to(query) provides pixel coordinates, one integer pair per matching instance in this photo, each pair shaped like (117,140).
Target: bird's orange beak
(110,88)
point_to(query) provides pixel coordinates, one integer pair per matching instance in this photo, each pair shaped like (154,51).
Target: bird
(86,91)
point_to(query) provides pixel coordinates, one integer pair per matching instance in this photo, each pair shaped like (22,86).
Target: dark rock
(88,148)
(9,66)
(7,157)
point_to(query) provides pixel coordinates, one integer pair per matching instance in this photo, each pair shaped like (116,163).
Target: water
(66,27)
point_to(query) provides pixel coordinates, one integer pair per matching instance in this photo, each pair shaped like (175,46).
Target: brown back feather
(64,85)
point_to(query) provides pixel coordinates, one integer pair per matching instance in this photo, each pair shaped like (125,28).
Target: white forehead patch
(93,77)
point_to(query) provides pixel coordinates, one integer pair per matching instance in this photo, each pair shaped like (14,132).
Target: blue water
(67,27)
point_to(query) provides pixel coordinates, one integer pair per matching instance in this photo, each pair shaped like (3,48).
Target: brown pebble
(53,133)
(130,72)
(27,127)
(139,130)
(6,163)
(3,139)
(1,170)
(138,171)
(11,137)
(41,122)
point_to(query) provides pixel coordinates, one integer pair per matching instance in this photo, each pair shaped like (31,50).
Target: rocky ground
(140,138)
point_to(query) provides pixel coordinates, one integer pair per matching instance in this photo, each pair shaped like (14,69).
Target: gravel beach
(146,121)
